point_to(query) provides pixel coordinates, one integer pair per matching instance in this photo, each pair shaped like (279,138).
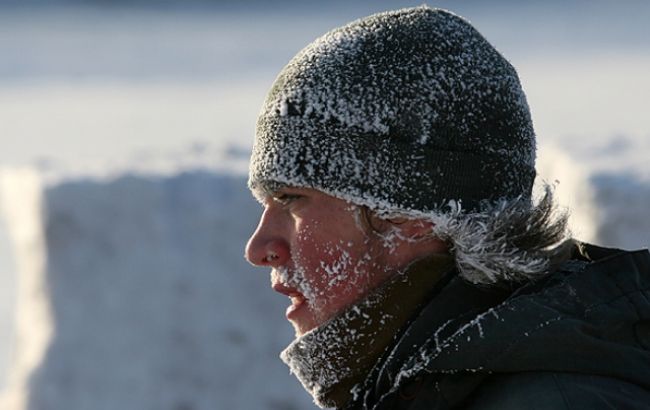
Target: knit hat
(403,112)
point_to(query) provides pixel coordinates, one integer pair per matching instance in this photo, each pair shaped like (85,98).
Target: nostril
(270,257)
(276,252)
(267,252)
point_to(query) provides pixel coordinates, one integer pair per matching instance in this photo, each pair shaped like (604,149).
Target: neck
(332,359)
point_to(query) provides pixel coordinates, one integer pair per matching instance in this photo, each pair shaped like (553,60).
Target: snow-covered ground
(91,94)
(144,300)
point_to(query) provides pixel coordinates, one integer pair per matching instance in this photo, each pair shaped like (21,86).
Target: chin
(303,326)
(301,329)
(298,330)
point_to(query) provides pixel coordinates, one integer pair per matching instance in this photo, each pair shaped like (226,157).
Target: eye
(284,198)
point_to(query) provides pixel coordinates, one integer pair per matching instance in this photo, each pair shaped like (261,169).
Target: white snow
(33,321)
(144,299)
(90,95)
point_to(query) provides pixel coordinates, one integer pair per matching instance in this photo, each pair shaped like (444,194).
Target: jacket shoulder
(551,391)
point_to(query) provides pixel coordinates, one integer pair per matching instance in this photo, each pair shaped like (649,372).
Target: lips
(297,298)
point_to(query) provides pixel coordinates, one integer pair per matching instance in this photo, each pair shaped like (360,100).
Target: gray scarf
(332,359)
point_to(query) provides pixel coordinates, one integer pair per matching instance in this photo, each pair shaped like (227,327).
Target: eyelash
(285,199)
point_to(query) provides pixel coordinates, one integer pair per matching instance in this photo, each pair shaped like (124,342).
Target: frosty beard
(339,277)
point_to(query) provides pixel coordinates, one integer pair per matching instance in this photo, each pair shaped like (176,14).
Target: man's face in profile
(321,254)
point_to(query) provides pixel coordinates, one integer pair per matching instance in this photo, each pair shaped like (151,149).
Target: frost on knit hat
(403,112)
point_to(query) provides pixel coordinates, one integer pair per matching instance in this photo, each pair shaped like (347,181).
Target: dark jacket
(577,339)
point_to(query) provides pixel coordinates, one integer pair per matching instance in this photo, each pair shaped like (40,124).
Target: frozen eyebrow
(266,189)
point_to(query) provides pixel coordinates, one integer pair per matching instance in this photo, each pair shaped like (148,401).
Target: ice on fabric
(327,356)
(400,111)
(333,358)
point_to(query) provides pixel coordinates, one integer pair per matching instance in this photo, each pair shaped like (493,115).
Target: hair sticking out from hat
(511,241)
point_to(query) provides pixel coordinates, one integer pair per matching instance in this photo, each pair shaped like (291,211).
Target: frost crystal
(401,112)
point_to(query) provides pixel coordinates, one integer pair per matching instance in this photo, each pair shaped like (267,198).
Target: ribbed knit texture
(401,111)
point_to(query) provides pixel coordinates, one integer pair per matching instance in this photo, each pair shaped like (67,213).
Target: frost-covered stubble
(334,259)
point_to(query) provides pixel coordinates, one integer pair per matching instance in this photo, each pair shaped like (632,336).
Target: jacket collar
(334,358)
(593,303)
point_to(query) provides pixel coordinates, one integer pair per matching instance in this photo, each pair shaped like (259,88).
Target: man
(394,158)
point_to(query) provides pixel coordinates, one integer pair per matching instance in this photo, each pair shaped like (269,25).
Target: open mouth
(296,302)
(297,298)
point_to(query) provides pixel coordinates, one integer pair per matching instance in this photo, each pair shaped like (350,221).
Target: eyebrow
(267,189)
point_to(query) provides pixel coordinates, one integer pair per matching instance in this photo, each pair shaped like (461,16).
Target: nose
(267,246)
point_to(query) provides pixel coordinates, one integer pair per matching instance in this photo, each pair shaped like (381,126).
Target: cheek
(344,267)
(332,271)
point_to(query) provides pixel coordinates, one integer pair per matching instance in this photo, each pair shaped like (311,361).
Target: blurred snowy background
(125,129)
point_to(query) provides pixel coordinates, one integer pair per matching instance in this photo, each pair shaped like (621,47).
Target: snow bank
(623,215)
(134,294)
(149,300)
(21,195)
(607,194)
(572,187)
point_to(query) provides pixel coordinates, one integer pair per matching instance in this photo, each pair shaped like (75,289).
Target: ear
(416,240)
(409,228)
(424,243)
(416,228)
(413,228)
